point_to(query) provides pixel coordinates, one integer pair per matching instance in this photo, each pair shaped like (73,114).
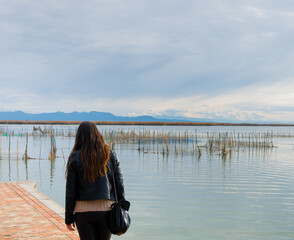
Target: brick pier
(23,216)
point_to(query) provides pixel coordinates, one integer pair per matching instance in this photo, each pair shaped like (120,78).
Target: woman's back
(102,187)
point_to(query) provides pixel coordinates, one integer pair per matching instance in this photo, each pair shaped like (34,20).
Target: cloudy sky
(220,59)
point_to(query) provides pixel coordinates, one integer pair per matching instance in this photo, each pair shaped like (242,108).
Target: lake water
(248,194)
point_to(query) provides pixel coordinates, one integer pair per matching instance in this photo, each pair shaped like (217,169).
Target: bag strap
(113,179)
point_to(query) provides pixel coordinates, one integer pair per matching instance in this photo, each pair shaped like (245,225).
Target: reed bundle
(162,141)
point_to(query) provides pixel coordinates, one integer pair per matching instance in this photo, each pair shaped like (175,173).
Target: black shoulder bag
(118,218)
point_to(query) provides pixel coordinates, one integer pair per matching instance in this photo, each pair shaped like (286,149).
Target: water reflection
(52,167)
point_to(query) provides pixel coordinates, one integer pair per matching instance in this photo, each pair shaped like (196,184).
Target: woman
(89,185)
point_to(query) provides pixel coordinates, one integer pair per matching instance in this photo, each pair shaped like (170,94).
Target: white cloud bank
(258,102)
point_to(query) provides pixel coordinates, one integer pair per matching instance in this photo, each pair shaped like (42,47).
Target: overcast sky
(204,59)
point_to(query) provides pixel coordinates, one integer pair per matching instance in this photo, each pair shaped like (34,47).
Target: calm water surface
(249,195)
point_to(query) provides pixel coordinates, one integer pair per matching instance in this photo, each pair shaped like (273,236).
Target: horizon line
(141,123)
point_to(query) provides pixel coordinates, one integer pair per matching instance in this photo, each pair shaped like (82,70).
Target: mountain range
(82,116)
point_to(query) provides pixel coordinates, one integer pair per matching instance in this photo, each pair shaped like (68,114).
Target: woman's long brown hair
(94,151)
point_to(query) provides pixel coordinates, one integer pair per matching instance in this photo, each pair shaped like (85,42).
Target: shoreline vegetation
(135,123)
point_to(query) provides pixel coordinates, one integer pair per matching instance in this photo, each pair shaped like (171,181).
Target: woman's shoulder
(75,153)
(113,159)
(113,156)
(112,153)
(75,156)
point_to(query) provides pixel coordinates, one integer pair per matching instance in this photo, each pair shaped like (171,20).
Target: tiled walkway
(22,216)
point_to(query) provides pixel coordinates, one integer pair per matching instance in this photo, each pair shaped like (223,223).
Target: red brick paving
(22,216)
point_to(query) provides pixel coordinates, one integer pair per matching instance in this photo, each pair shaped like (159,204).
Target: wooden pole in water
(9,145)
(17,157)
(17,148)
(26,151)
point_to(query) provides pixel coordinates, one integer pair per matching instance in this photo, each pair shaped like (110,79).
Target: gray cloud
(129,49)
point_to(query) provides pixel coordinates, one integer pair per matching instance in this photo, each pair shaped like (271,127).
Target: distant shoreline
(142,123)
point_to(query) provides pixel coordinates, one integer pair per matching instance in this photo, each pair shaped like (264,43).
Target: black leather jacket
(77,188)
